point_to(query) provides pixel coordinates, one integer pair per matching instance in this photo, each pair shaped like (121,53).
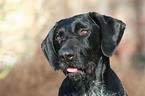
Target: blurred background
(24,71)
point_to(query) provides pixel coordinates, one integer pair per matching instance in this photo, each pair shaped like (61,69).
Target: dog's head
(75,44)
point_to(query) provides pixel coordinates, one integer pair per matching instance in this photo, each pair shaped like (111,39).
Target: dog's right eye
(58,37)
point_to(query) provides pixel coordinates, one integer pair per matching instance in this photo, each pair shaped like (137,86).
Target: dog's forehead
(72,20)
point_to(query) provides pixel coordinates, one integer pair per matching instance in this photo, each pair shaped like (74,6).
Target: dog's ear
(112,30)
(49,51)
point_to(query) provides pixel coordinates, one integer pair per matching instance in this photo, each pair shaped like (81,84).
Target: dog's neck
(97,85)
(102,66)
(97,81)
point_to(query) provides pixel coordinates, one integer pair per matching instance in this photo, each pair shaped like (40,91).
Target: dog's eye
(84,31)
(58,37)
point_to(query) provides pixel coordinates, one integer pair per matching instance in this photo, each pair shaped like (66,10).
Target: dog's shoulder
(66,88)
(113,83)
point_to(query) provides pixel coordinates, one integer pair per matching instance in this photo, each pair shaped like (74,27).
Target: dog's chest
(98,89)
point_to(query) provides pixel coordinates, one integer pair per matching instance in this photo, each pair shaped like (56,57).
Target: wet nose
(66,54)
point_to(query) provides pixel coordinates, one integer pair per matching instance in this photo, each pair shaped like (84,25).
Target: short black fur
(81,46)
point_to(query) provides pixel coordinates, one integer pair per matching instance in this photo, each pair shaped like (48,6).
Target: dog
(81,46)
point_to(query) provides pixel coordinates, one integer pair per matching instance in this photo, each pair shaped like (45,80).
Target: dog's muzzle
(66,55)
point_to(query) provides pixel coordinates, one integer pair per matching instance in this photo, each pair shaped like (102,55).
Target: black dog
(81,46)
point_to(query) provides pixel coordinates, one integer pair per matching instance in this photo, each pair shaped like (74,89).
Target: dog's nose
(66,54)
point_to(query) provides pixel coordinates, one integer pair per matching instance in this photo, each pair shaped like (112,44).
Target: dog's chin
(77,74)
(76,77)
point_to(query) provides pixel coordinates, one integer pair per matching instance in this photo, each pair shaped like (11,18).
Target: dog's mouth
(73,70)
(77,74)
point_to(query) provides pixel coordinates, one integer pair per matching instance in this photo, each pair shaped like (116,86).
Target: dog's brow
(78,25)
(60,30)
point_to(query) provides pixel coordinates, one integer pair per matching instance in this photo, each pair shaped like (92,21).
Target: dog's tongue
(72,69)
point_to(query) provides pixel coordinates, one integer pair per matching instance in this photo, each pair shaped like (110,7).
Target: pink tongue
(72,69)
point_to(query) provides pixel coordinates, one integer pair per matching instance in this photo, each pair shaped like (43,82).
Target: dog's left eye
(83,32)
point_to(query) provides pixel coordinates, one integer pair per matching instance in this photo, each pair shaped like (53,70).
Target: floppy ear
(112,30)
(49,51)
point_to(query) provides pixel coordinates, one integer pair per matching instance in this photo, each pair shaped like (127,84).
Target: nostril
(70,56)
(66,55)
(62,57)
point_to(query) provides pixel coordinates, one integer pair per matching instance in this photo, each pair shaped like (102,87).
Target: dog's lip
(72,70)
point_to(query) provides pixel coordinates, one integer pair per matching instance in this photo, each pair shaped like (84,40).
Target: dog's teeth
(72,69)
